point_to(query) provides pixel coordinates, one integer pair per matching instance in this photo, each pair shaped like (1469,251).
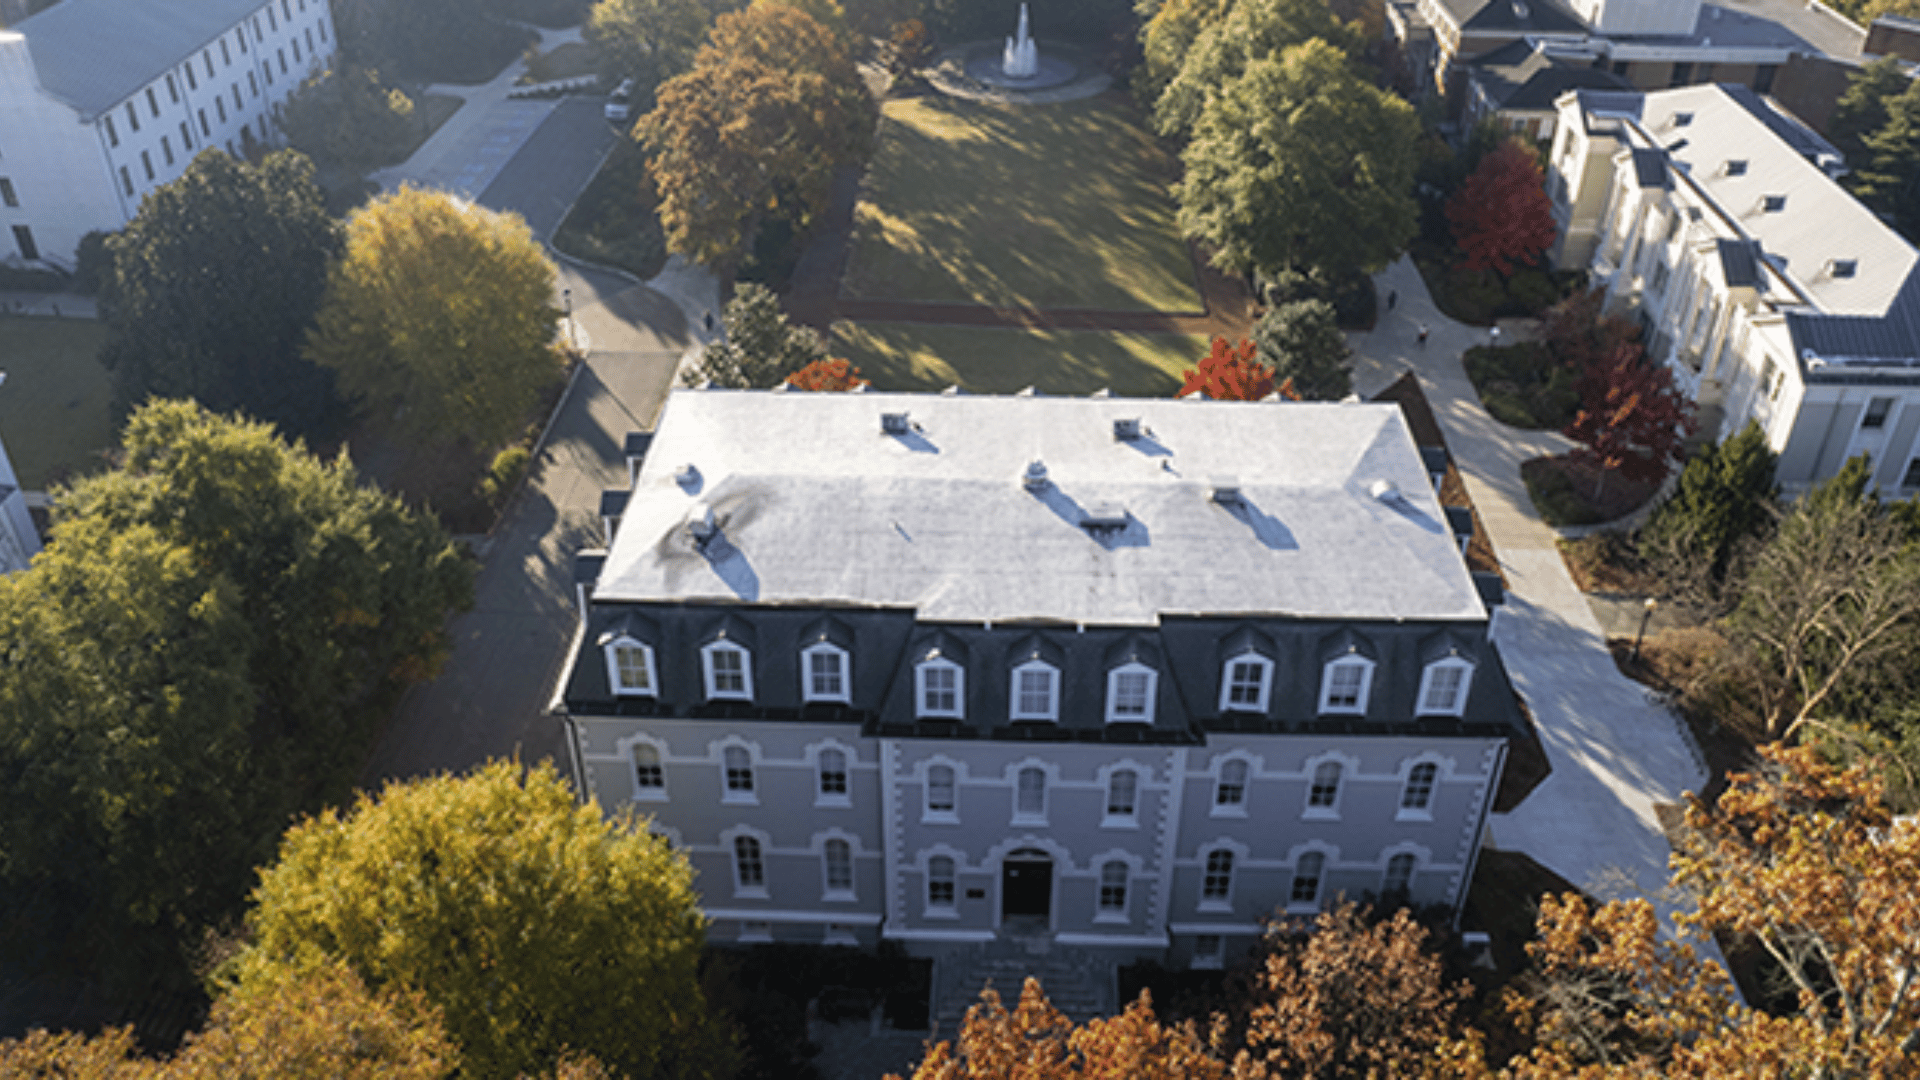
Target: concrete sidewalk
(1615,754)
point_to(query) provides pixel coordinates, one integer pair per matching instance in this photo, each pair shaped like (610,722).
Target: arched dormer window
(1443,687)
(1035,693)
(631,671)
(826,673)
(939,688)
(728,669)
(1246,683)
(1346,683)
(1130,694)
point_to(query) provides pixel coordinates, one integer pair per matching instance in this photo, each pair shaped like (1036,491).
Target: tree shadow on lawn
(903,357)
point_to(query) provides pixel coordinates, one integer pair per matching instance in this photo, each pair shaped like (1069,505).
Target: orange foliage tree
(831,374)
(1632,418)
(1230,373)
(1501,217)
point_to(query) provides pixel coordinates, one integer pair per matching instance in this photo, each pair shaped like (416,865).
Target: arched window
(729,671)
(1216,887)
(1443,687)
(630,668)
(940,798)
(837,865)
(1306,879)
(826,677)
(833,778)
(649,779)
(749,872)
(1323,794)
(1398,882)
(1246,683)
(1113,888)
(1030,795)
(1345,685)
(941,689)
(1130,689)
(1036,691)
(940,883)
(1122,795)
(1417,796)
(1230,789)
(739,775)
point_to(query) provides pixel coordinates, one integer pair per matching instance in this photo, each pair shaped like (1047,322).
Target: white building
(101,101)
(1116,678)
(1713,218)
(19,540)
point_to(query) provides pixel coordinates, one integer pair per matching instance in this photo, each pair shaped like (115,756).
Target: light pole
(1646,613)
(566,297)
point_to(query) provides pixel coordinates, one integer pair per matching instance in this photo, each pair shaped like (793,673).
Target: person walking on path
(1493,337)
(1423,333)
(1393,297)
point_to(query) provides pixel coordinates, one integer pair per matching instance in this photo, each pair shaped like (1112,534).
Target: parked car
(620,102)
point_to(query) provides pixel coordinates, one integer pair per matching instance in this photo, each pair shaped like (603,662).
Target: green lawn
(54,408)
(911,356)
(1053,206)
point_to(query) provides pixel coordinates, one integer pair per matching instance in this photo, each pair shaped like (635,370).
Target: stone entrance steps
(1078,983)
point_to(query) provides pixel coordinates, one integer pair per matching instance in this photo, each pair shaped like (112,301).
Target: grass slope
(54,408)
(903,356)
(1054,206)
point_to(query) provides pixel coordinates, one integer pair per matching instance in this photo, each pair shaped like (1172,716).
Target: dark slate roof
(1846,342)
(1740,262)
(1516,16)
(1519,76)
(1650,168)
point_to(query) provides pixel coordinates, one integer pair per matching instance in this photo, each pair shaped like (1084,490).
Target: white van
(619,103)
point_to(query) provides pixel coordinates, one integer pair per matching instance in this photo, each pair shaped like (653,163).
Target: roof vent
(701,524)
(1773,204)
(1843,268)
(1105,517)
(1682,119)
(895,423)
(1226,491)
(1126,429)
(1035,478)
(687,475)
(1384,490)
(1736,167)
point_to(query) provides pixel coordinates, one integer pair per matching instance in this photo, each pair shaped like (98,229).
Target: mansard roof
(1303,510)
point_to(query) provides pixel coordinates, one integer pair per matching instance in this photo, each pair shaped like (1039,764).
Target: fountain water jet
(1022,59)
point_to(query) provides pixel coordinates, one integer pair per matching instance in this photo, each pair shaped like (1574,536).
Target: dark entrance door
(1026,884)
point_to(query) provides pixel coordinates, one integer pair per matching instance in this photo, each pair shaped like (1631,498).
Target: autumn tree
(772,108)
(444,310)
(649,41)
(212,287)
(1501,217)
(1831,601)
(834,374)
(1229,373)
(761,347)
(532,923)
(1225,40)
(910,50)
(1035,1041)
(1632,420)
(1304,347)
(1300,164)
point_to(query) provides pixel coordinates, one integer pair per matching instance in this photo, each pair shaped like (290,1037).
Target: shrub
(1524,385)
(1531,291)
(91,263)
(1351,294)
(509,466)
(1555,494)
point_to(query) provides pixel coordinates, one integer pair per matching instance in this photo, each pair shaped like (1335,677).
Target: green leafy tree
(443,309)
(771,110)
(1298,163)
(1862,109)
(761,349)
(349,118)
(648,41)
(1303,346)
(1225,44)
(212,286)
(534,924)
(1724,502)
(1887,178)
(1166,34)
(201,651)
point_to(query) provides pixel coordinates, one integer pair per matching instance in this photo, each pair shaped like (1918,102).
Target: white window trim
(1366,667)
(824,648)
(1046,793)
(1386,867)
(645,794)
(959,709)
(613,667)
(928,815)
(746,671)
(755,932)
(1266,682)
(1403,812)
(1347,767)
(1231,810)
(1304,907)
(1121,915)
(1209,961)
(1052,712)
(825,800)
(1113,693)
(827,892)
(1222,904)
(731,839)
(728,795)
(928,909)
(1459,706)
(1109,819)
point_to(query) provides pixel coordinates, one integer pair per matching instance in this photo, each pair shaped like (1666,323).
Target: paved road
(1614,754)
(554,164)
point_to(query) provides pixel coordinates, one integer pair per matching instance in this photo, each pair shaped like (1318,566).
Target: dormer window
(729,672)
(630,668)
(825,675)
(1130,692)
(1845,268)
(1346,684)
(1773,204)
(939,688)
(1682,119)
(1036,691)
(1737,167)
(1443,688)
(1246,683)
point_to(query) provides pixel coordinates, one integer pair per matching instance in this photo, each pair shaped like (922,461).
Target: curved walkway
(1615,755)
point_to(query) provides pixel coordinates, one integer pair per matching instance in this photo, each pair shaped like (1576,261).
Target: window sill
(833,802)
(839,699)
(1145,721)
(940,913)
(939,817)
(1217,907)
(925,715)
(650,794)
(1206,963)
(748,698)
(739,798)
(1320,813)
(750,894)
(1414,815)
(1120,823)
(1304,909)
(840,896)
(1030,820)
(1229,811)
(633,693)
(1111,918)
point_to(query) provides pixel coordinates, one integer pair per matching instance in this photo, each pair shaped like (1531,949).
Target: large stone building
(1126,675)
(1714,219)
(101,101)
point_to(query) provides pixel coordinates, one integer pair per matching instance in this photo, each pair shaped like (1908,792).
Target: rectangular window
(1418,794)
(1031,798)
(242,36)
(257,35)
(23,239)
(1231,790)
(126,180)
(166,149)
(739,768)
(647,773)
(133,117)
(146,162)
(1217,885)
(826,677)
(940,882)
(207,55)
(726,672)
(226,56)
(1131,690)
(1245,680)
(173,92)
(1346,684)
(253,84)
(323,31)
(939,689)
(1325,791)
(186,136)
(748,867)
(633,670)
(273,23)
(1033,693)
(1912,477)
(153,103)
(940,789)
(282,53)
(1878,409)
(1122,793)
(193,83)
(1306,878)
(113,136)
(1444,683)
(1113,888)
(839,866)
(1208,950)
(833,774)
(220,106)
(7,195)
(296,50)
(206,130)
(310,39)
(238,103)
(266,68)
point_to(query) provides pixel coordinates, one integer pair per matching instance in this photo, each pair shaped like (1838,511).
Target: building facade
(101,101)
(1133,675)
(1714,219)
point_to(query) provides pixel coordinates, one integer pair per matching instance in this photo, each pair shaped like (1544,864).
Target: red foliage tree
(1229,373)
(1501,217)
(1632,418)
(834,374)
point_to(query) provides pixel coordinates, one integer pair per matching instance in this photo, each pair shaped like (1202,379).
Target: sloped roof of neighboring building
(1518,16)
(1518,75)
(92,54)
(812,503)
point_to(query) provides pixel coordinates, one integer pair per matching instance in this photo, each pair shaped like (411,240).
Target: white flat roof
(816,505)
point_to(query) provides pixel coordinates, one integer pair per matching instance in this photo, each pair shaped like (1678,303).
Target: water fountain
(1022,59)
